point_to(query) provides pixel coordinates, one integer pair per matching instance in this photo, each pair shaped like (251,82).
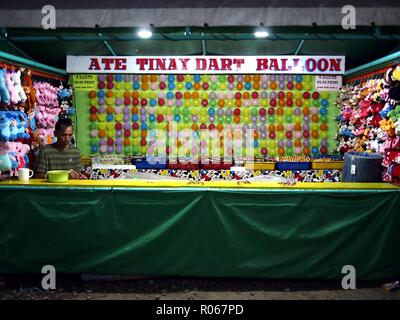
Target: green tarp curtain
(210,233)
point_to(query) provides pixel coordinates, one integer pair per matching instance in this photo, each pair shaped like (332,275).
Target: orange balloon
(195,95)
(187,95)
(135,94)
(323,127)
(195,127)
(102,133)
(238,103)
(135,110)
(196,86)
(127,94)
(272,85)
(110,109)
(145,86)
(93,117)
(298,103)
(314,118)
(256,85)
(297,126)
(281,151)
(271,127)
(306,151)
(92,94)
(256,78)
(289,95)
(299,86)
(145,78)
(239,86)
(279,127)
(297,143)
(247,78)
(153,78)
(255,135)
(306,111)
(281,103)
(236,119)
(314,134)
(220,127)
(246,95)
(127,142)
(221,102)
(279,111)
(109,94)
(143,134)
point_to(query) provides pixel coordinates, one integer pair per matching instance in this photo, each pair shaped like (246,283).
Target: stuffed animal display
(369,119)
(13,125)
(13,156)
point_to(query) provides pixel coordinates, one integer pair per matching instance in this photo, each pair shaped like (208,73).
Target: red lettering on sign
(311,64)
(322,64)
(335,64)
(172,65)
(201,64)
(213,64)
(120,64)
(284,67)
(160,64)
(226,64)
(274,65)
(107,62)
(94,64)
(141,63)
(262,64)
(238,62)
(184,63)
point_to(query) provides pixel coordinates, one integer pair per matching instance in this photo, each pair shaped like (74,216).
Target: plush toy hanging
(4,94)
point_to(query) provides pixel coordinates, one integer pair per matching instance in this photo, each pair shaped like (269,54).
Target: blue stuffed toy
(4,126)
(4,94)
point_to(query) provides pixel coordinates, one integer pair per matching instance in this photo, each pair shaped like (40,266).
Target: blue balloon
(247,85)
(299,78)
(110,117)
(118,78)
(143,126)
(170,95)
(177,118)
(196,78)
(314,150)
(211,111)
(136,85)
(153,102)
(152,133)
(195,134)
(171,78)
(135,117)
(95,149)
(188,85)
(152,118)
(324,102)
(255,143)
(171,86)
(323,111)
(101,94)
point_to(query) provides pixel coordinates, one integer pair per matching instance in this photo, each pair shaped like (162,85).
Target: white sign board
(207,64)
(328,83)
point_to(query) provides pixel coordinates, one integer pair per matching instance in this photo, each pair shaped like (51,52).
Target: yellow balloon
(279,119)
(315,126)
(325,95)
(195,111)
(143,150)
(118,94)
(298,95)
(315,143)
(229,103)
(188,78)
(93,102)
(323,134)
(263,144)
(204,95)
(203,112)
(288,111)
(110,101)
(280,135)
(188,103)
(101,117)
(222,86)
(203,119)
(196,102)
(264,102)
(205,78)
(246,112)
(118,86)
(127,86)
(110,126)
(144,94)
(110,133)
(307,87)
(179,85)
(101,126)
(246,119)
(153,94)
(297,119)
(306,103)
(135,134)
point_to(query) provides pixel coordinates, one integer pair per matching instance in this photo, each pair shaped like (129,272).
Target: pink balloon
(246,102)
(297,150)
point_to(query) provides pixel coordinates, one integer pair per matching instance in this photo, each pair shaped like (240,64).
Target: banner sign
(85,82)
(207,64)
(328,83)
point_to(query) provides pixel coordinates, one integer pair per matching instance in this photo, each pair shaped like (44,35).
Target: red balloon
(204,102)
(93,109)
(143,102)
(272,135)
(262,112)
(118,126)
(236,112)
(254,95)
(211,126)
(179,77)
(203,126)
(160,118)
(281,94)
(289,134)
(135,126)
(127,133)
(161,102)
(110,85)
(231,78)
(101,85)
(238,95)
(271,111)
(306,95)
(127,101)
(205,85)
(143,142)
(135,101)
(272,102)
(289,102)
(290,85)
(178,95)
(110,141)
(323,150)
(306,134)
(162,85)
(110,78)
(315,95)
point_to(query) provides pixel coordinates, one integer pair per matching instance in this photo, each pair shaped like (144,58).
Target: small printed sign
(84,82)
(328,83)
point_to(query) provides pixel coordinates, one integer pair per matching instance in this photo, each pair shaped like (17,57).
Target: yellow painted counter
(240,184)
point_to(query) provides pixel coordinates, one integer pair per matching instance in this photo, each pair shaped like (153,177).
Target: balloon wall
(288,116)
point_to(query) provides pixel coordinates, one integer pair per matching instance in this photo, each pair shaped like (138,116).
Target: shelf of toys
(30,103)
(369,119)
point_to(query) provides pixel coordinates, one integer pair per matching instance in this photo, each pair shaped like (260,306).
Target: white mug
(24,174)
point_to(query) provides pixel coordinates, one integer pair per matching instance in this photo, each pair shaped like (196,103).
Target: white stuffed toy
(18,88)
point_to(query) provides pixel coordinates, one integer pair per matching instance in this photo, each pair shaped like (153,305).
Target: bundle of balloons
(287,116)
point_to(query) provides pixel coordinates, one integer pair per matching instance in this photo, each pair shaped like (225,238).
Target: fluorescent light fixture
(261,33)
(144,34)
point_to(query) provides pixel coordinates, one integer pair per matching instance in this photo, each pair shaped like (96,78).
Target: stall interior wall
(270,115)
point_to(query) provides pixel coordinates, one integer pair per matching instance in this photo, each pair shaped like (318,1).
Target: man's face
(64,137)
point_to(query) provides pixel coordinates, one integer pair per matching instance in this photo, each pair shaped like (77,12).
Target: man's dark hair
(62,124)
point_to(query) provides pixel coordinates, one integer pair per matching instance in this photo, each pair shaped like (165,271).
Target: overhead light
(261,33)
(145,34)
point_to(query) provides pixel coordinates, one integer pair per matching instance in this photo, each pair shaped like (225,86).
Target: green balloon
(323,119)
(185,111)
(222,78)
(288,118)
(271,119)
(135,150)
(94,142)
(289,151)
(177,110)
(152,126)
(212,103)
(127,149)
(221,119)
(214,86)
(254,112)
(228,119)
(186,119)
(316,103)
(93,126)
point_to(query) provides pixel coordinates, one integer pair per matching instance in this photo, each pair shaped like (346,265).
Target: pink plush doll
(14,97)
(18,88)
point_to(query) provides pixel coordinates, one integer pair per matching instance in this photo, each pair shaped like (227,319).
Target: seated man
(61,155)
